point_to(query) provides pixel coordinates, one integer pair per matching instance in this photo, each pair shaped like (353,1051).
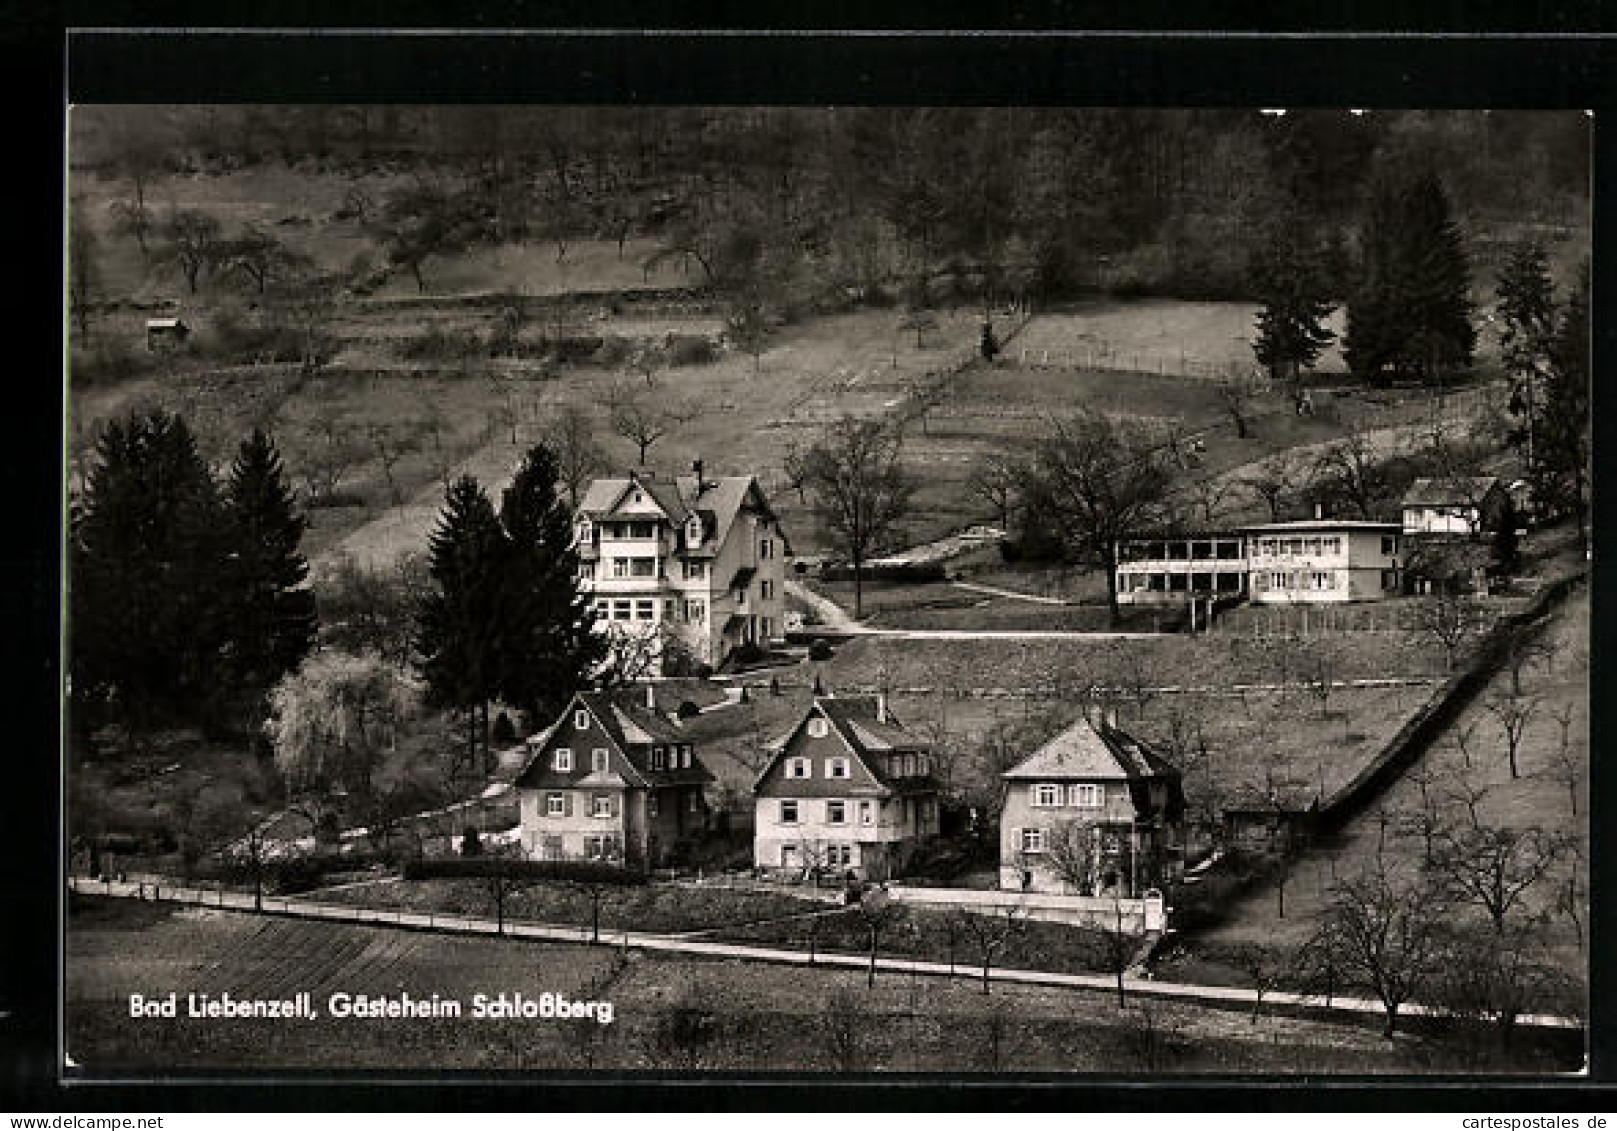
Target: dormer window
(564,760)
(693,531)
(581,720)
(817,728)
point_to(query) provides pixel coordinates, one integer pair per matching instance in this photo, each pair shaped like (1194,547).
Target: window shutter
(567,804)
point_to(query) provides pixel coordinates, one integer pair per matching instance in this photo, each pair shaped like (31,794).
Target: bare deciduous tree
(638,419)
(1237,395)
(1104,480)
(578,457)
(991,933)
(1391,934)
(995,481)
(1495,867)
(1513,713)
(860,489)
(1450,620)
(1272,479)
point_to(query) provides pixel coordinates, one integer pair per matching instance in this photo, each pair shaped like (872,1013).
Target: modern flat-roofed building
(1322,561)
(1173,568)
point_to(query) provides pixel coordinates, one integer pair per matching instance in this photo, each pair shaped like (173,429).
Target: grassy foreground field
(670,1014)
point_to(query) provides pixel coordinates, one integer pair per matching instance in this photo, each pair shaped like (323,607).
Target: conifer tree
(459,623)
(271,611)
(550,645)
(1411,310)
(1560,474)
(1526,318)
(147,560)
(1290,329)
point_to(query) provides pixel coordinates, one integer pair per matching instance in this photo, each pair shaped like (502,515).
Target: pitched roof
(633,729)
(1092,752)
(855,722)
(1447,490)
(717,500)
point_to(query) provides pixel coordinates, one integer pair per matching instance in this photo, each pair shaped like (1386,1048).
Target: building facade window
(867,813)
(1046,796)
(836,768)
(766,548)
(621,610)
(599,760)
(836,812)
(643,567)
(696,611)
(695,571)
(1032,840)
(555,805)
(1389,544)
(1086,796)
(788,812)
(766,589)
(797,768)
(601,805)
(564,760)
(620,567)
(817,728)
(656,757)
(581,720)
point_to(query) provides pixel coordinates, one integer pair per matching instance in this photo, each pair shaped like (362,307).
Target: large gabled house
(849,791)
(692,559)
(1091,812)
(612,779)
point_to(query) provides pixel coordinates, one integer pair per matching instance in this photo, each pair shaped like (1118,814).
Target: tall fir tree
(1526,318)
(550,646)
(146,572)
(1560,472)
(272,617)
(1410,312)
(1290,274)
(459,623)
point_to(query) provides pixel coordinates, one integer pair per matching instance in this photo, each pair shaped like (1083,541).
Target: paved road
(463,924)
(995,591)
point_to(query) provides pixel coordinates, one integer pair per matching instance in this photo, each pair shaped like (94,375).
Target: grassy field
(744,1016)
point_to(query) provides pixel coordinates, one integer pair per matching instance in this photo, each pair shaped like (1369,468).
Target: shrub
(574,349)
(687,349)
(470,843)
(820,651)
(109,360)
(558,871)
(688,710)
(336,500)
(748,654)
(437,344)
(614,351)
(504,730)
(909,573)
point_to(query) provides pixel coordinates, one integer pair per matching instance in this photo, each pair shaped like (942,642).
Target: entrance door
(788,857)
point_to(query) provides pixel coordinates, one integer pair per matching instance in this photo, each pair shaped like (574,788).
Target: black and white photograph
(843,590)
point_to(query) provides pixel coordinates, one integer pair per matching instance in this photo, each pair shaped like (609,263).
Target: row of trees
(1047,191)
(188,597)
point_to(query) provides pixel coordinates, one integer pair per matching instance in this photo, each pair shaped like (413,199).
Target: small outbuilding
(166,333)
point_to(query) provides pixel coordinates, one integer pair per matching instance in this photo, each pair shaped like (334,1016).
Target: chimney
(651,697)
(696,469)
(1319,511)
(881,707)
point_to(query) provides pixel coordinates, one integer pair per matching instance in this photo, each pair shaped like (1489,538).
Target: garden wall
(1140,916)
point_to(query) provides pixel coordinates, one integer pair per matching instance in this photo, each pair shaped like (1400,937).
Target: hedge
(488,867)
(910,573)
